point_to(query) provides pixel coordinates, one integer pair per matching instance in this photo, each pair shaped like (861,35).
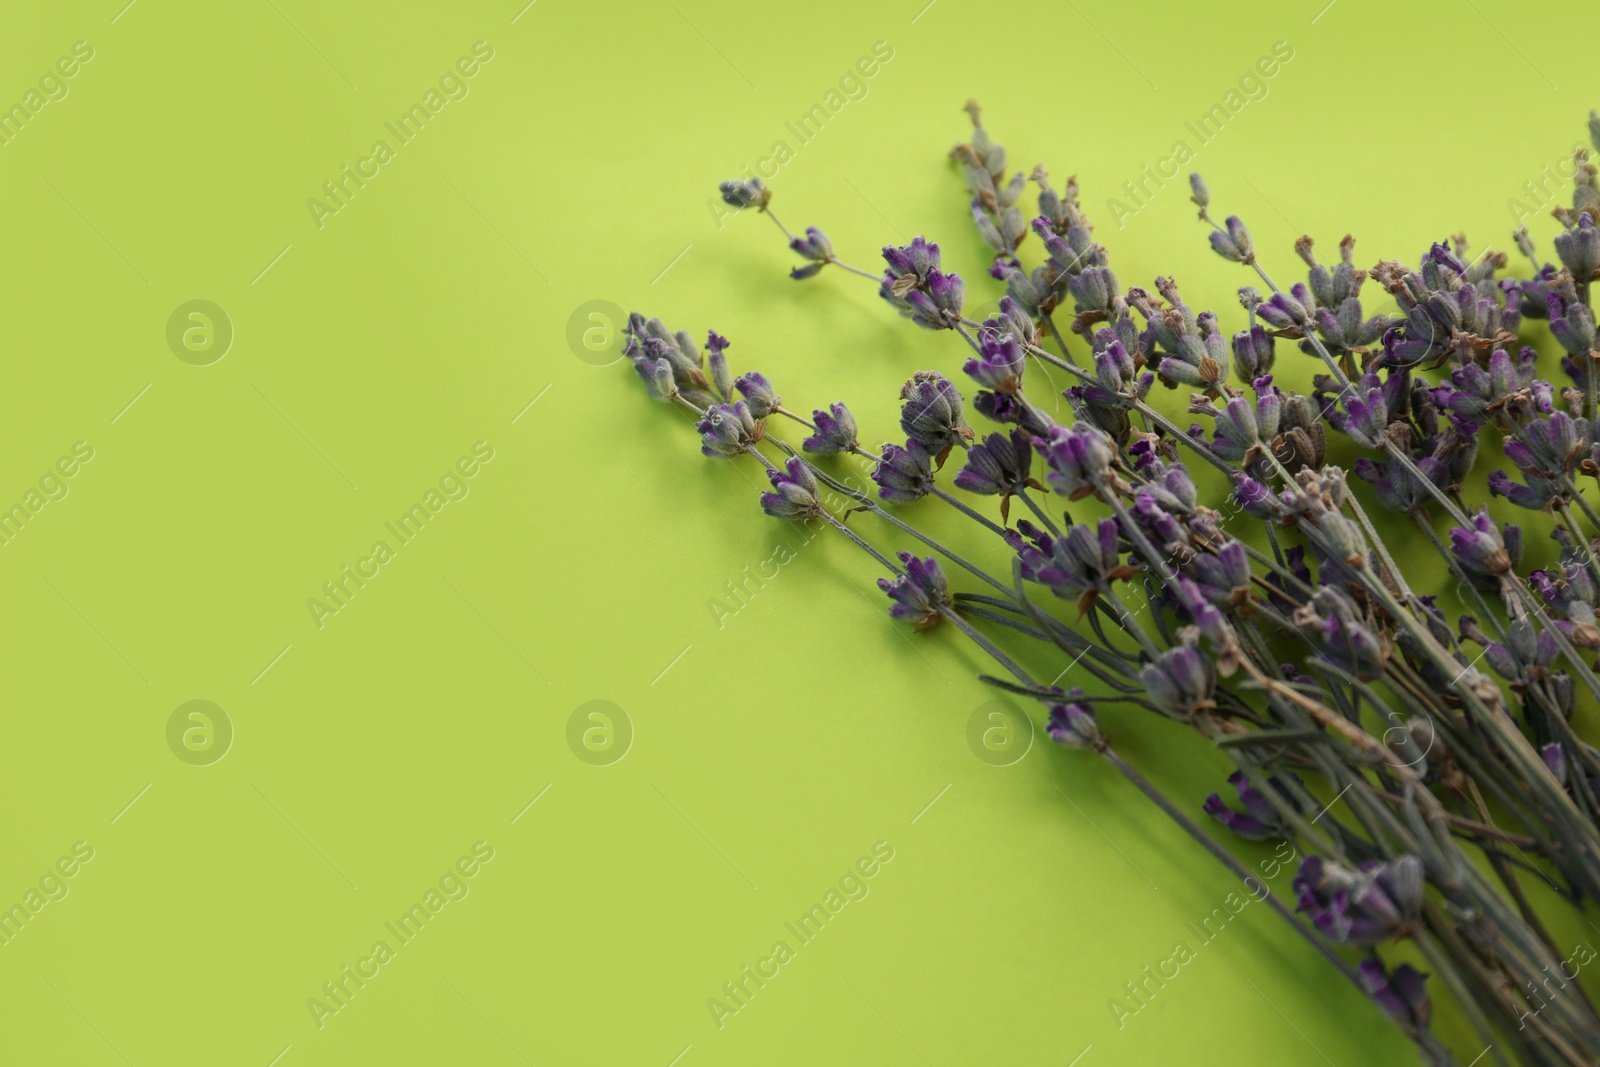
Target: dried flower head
(919,593)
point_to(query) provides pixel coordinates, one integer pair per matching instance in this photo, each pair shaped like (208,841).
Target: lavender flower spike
(920,593)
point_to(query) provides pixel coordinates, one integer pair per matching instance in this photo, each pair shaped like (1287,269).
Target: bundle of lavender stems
(1417,747)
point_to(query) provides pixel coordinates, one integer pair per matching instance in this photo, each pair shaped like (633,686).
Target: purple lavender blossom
(745,193)
(904,475)
(815,248)
(657,377)
(1287,311)
(1579,249)
(1573,324)
(1074,726)
(1481,551)
(999,364)
(1012,320)
(918,289)
(728,430)
(1254,352)
(998,465)
(1366,413)
(937,305)
(1079,565)
(758,393)
(1005,408)
(1400,994)
(836,431)
(914,261)
(1245,430)
(1094,290)
(794,494)
(1234,243)
(721,377)
(1223,576)
(1397,487)
(1379,902)
(1181,682)
(1259,820)
(931,414)
(920,593)
(1079,458)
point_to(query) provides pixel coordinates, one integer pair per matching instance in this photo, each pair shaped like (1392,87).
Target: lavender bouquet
(1417,749)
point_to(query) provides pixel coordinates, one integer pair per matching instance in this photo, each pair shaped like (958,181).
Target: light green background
(770,752)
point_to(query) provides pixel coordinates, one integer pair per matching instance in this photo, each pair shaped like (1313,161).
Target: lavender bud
(998,465)
(914,261)
(813,246)
(1365,415)
(795,492)
(1579,248)
(1234,244)
(1074,726)
(1200,193)
(1555,758)
(1093,289)
(743,194)
(1379,902)
(1254,352)
(999,365)
(1180,682)
(721,377)
(758,392)
(1400,994)
(904,475)
(1256,499)
(1016,320)
(1533,494)
(1285,310)
(931,413)
(920,593)
(1079,459)
(1223,577)
(657,377)
(1258,822)
(1573,324)
(1480,550)
(836,431)
(728,430)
